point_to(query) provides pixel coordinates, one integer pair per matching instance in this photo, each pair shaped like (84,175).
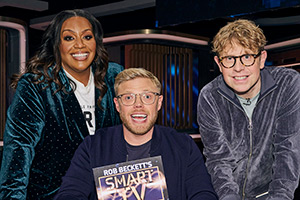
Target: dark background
(279,19)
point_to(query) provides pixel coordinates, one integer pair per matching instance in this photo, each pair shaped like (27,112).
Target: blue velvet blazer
(43,131)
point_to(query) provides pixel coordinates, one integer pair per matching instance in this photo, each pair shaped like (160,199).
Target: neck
(136,139)
(252,92)
(83,77)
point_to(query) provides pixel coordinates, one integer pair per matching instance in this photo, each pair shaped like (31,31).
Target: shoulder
(103,137)
(286,92)
(40,75)
(209,94)
(27,82)
(114,69)
(178,143)
(107,132)
(172,134)
(212,86)
(285,78)
(279,73)
(28,77)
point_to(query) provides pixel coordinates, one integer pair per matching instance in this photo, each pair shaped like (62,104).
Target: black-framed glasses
(246,59)
(146,98)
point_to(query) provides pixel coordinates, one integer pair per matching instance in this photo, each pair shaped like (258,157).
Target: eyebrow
(144,91)
(85,30)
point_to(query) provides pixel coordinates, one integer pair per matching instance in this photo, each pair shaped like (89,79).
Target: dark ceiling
(279,24)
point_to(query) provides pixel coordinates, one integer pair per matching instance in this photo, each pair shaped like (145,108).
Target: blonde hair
(132,73)
(242,32)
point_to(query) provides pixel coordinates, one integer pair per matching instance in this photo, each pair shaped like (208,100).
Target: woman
(54,106)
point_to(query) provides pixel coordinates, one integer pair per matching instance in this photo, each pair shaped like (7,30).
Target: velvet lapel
(72,110)
(100,113)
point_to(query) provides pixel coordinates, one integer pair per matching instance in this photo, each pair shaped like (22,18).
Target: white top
(86,98)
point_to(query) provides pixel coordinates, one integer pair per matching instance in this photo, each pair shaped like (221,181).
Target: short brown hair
(242,31)
(132,73)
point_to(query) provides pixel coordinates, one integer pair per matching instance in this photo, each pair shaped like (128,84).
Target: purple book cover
(141,179)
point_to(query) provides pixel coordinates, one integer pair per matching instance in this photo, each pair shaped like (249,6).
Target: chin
(138,130)
(139,133)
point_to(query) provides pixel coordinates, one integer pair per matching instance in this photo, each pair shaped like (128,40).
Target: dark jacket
(42,132)
(258,155)
(183,164)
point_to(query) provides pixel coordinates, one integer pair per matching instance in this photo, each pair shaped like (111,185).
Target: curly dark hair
(48,54)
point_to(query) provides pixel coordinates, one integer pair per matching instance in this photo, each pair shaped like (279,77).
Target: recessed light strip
(288,65)
(154,36)
(283,44)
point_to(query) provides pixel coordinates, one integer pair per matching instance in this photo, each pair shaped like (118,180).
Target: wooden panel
(289,58)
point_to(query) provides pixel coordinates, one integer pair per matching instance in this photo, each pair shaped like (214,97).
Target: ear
(218,63)
(117,104)
(263,58)
(159,103)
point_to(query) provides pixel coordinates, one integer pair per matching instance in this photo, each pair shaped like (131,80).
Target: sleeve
(78,183)
(23,129)
(286,166)
(198,182)
(219,159)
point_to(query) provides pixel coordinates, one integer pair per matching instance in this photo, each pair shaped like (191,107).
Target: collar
(120,143)
(267,84)
(80,86)
(63,77)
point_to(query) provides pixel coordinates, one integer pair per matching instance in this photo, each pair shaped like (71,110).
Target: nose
(238,66)
(79,43)
(138,102)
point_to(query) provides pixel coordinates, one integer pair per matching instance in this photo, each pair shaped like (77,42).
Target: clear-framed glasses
(146,98)
(246,59)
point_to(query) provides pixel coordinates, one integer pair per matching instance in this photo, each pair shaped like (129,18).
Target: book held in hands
(141,179)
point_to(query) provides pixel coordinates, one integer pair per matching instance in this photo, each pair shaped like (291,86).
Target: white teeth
(139,115)
(80,55)
(140,120)
(240,77)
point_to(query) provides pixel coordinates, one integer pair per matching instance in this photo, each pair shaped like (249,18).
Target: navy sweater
(186,174)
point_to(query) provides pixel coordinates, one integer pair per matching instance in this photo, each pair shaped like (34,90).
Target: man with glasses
(249,119)
(138,100)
